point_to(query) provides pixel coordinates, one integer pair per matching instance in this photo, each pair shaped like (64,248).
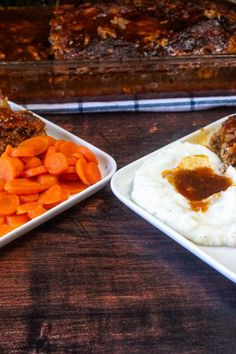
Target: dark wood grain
(99,279)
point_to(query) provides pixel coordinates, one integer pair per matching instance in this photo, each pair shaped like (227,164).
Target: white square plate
(223,259)
(107,166)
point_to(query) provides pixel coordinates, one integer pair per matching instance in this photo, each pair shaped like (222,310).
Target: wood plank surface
(99,279)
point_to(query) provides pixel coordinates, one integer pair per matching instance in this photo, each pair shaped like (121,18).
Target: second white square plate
(223,259)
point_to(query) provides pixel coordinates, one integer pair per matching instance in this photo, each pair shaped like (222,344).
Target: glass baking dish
(99,80)
(74,81)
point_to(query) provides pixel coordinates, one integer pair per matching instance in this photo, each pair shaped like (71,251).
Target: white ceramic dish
(223,259)
(107,166)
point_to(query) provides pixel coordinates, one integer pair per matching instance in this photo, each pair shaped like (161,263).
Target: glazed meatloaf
(142,28)
(223,142)
(17,126)
(24,33)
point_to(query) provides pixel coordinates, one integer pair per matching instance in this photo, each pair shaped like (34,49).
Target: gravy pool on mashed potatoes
(213,221)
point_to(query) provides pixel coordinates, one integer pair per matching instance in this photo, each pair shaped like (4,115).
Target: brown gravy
(197,185)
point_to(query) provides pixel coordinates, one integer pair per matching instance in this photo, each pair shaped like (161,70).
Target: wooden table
(99,279)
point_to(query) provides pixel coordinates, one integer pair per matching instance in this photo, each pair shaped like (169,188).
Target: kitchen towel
(149,105)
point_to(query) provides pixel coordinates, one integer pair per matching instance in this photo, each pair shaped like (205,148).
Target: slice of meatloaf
(223,142)
(17,126)
(142,28)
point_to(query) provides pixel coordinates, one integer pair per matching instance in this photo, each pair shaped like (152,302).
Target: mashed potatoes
(153,192)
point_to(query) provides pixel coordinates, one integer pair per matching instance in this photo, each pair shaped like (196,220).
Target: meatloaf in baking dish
(24,33)
(142,28)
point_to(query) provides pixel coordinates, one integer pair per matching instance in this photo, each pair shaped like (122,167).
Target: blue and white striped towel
(151,105)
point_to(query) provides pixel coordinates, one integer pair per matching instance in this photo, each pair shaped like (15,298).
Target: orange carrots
(55,162)
(39,170)
(47,179)
(32,163)
(8,203)
(25,198)
(22,151)
(23,186)
(17,220)
(80,167)
(39,143)
(88,154)
(40,173)
(54,194)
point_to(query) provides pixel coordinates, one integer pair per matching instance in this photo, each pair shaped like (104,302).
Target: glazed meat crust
(223,142)
(139,28)
(17,126)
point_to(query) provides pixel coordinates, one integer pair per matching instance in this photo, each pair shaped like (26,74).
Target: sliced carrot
(26,207)
(87,153)
(24,186)
(8,203)
(73,187)
(8,170)
(2,184)
(81,166)
(55,162)
(2,220)
(17,220)
(33,162)
(31,172)
(25,198)
(22,151)
(39,143)
(68,148)
(58,144)
(19,165)
(93,173)
(71,161)
(38,210)
(54,194)
(71,169)
(7,151)
(47,179)
(69,177)
(5,228)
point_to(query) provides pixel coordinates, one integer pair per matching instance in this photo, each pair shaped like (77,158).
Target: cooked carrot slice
(71,161)
(22,151)
(8,203)
(7,151)
(47,179)
(33,162)
(81,166)
(55,162)
(39,143)
(68,148)
(31,172)
(58,144)
(25,198)
(8,170)
(26,207)
(93,173)
(17,220)
(19,165)
(38,210)
(54,194)
(73,187)
(2,184)
(87,153)
(24,186)
(69,177)
(2,220)
(5,228)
